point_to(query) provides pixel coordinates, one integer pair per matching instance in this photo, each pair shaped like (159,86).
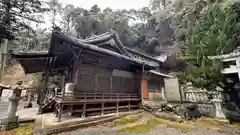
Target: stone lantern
(13,82)
(8,117)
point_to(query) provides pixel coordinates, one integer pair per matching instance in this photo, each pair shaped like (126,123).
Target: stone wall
(197,95)
(207,101)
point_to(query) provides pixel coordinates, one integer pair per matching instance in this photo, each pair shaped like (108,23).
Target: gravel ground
(159,130)
(204,126)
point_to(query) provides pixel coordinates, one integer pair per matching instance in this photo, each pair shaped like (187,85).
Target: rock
(170,116)
(166,108)
(192,112)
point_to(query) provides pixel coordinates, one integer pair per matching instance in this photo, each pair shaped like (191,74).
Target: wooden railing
(95,97)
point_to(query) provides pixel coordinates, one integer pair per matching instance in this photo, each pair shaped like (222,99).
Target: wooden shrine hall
(105,77)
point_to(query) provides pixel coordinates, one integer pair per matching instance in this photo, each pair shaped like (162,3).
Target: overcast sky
(87,4)
(114,4)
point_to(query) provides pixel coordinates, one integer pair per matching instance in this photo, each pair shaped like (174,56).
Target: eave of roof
(77,43)
(160,74)
(31,55)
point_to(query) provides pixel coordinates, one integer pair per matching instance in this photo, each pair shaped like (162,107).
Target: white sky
(113,4)
(87,4)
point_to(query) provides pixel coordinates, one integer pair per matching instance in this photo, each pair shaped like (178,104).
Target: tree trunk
(42,92)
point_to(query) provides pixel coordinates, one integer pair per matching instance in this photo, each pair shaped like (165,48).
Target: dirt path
(147,124)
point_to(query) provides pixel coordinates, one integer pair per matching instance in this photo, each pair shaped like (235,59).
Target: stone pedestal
(10,121)
(219,112)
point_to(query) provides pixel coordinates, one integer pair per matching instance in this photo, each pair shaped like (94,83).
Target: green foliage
(29,40)
(16,14)
(84,23)
(214,33)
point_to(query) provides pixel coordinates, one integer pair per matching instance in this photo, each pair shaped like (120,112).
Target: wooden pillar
(60,113)
(117,104)
(96,83)
(102,108)
(129,105)
(117,107)
(43,91)
(84,110)
(63,84)
(84,106)
(110,87)
(140,84)
(71,108)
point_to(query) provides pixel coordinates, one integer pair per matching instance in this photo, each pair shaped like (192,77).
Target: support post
(42,92)
(102,108)
(117,107)
(110,87)
(96,83)
(84,110)
(45,77)
(129,103)
(141,89)
(84,107)
(60,113)
(63,84)
(129,106)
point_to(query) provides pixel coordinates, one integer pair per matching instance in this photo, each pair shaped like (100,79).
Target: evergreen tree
(17,14)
